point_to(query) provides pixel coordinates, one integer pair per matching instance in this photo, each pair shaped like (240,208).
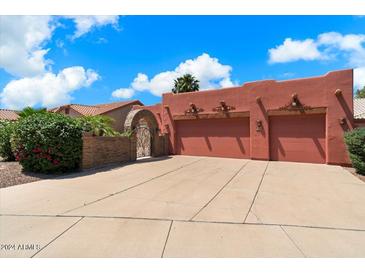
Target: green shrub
(127,133)
(355,141)
(48,143)
(98,125)
(6,131)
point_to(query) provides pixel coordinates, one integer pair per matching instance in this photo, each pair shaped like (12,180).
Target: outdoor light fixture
(259,125)
(258,99)
(338,92)
(167,129)
(295,101)
(342,121)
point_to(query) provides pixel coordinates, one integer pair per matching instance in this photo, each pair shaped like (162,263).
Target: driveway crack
(167,238)
(137,185)
(294,243)
(219,191)
(257,191)
(59,235)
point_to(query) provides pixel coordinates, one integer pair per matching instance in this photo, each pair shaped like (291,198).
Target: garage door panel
(298,138)
(214,137)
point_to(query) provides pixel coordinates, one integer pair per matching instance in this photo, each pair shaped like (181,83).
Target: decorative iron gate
(143,136)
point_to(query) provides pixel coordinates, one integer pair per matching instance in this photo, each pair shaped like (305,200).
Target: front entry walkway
(182,206)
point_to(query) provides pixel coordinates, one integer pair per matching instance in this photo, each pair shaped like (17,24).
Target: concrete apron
(189,207)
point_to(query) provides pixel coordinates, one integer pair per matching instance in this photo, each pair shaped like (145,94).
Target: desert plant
(6,131)
(98,125)
(28,111)
(127,133)
(47,143)
(355,142)
(186,83)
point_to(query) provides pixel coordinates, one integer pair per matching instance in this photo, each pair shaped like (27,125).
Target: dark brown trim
(212,115)
(279,112)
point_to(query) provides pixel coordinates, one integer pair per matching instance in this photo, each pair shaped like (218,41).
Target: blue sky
(56,60)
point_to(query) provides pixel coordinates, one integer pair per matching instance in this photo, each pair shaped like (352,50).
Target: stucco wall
(317,93)
(119,115)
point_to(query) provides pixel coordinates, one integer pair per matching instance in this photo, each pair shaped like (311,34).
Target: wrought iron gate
(143,136)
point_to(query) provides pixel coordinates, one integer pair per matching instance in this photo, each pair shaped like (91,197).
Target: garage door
(298,138)
(214,137)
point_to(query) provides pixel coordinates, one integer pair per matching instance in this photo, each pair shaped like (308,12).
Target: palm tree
(28,111)
(360,93)
(186,83)
(98,125)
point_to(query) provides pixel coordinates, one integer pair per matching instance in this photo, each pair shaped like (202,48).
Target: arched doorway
(145,137)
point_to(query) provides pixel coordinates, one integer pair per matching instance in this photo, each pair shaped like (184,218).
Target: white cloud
(85,23)
(23,40)
(329,46)
(21,44)
(351,45)
(23,55)
(294,50)
(359,77)
(208,70)
(124,93)
(48,89)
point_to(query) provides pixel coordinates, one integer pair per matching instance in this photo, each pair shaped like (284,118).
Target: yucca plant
(186,83)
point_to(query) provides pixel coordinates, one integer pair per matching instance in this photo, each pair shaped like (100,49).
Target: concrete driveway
(185,206)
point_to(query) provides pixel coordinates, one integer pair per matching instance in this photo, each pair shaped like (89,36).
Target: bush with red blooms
(48,143)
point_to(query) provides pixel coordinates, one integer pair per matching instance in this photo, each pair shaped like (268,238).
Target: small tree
(28,111)
(6,131)
(355,142)
(360,93)
(186,83)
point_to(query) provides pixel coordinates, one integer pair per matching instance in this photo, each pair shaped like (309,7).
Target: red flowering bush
(48,143)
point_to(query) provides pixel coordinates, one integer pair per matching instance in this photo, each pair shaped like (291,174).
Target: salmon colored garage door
(214,137)
(298,138)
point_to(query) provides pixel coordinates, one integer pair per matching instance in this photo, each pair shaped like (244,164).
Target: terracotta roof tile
(87,110)
(359,108)
(7,114)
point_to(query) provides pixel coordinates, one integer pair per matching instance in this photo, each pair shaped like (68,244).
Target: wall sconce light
(338,92)
(167,129)
(342,121)
(295,100)
(193,108)
(258,99)
(259,125)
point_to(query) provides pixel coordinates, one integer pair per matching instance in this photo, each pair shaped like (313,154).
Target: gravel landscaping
(11,174)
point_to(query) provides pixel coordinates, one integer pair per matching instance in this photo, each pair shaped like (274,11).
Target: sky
(46,61)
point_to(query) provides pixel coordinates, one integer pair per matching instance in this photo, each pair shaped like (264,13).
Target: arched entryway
(146,140)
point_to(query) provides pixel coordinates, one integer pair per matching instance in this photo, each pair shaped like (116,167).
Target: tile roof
(359,108)
(7,114)
(87,110)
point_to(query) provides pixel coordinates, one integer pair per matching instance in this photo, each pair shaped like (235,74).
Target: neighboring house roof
(99,109)
(359,108)
(7,114)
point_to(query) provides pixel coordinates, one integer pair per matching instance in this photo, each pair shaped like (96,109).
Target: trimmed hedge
(6,130)
(48,143)
(355,141)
